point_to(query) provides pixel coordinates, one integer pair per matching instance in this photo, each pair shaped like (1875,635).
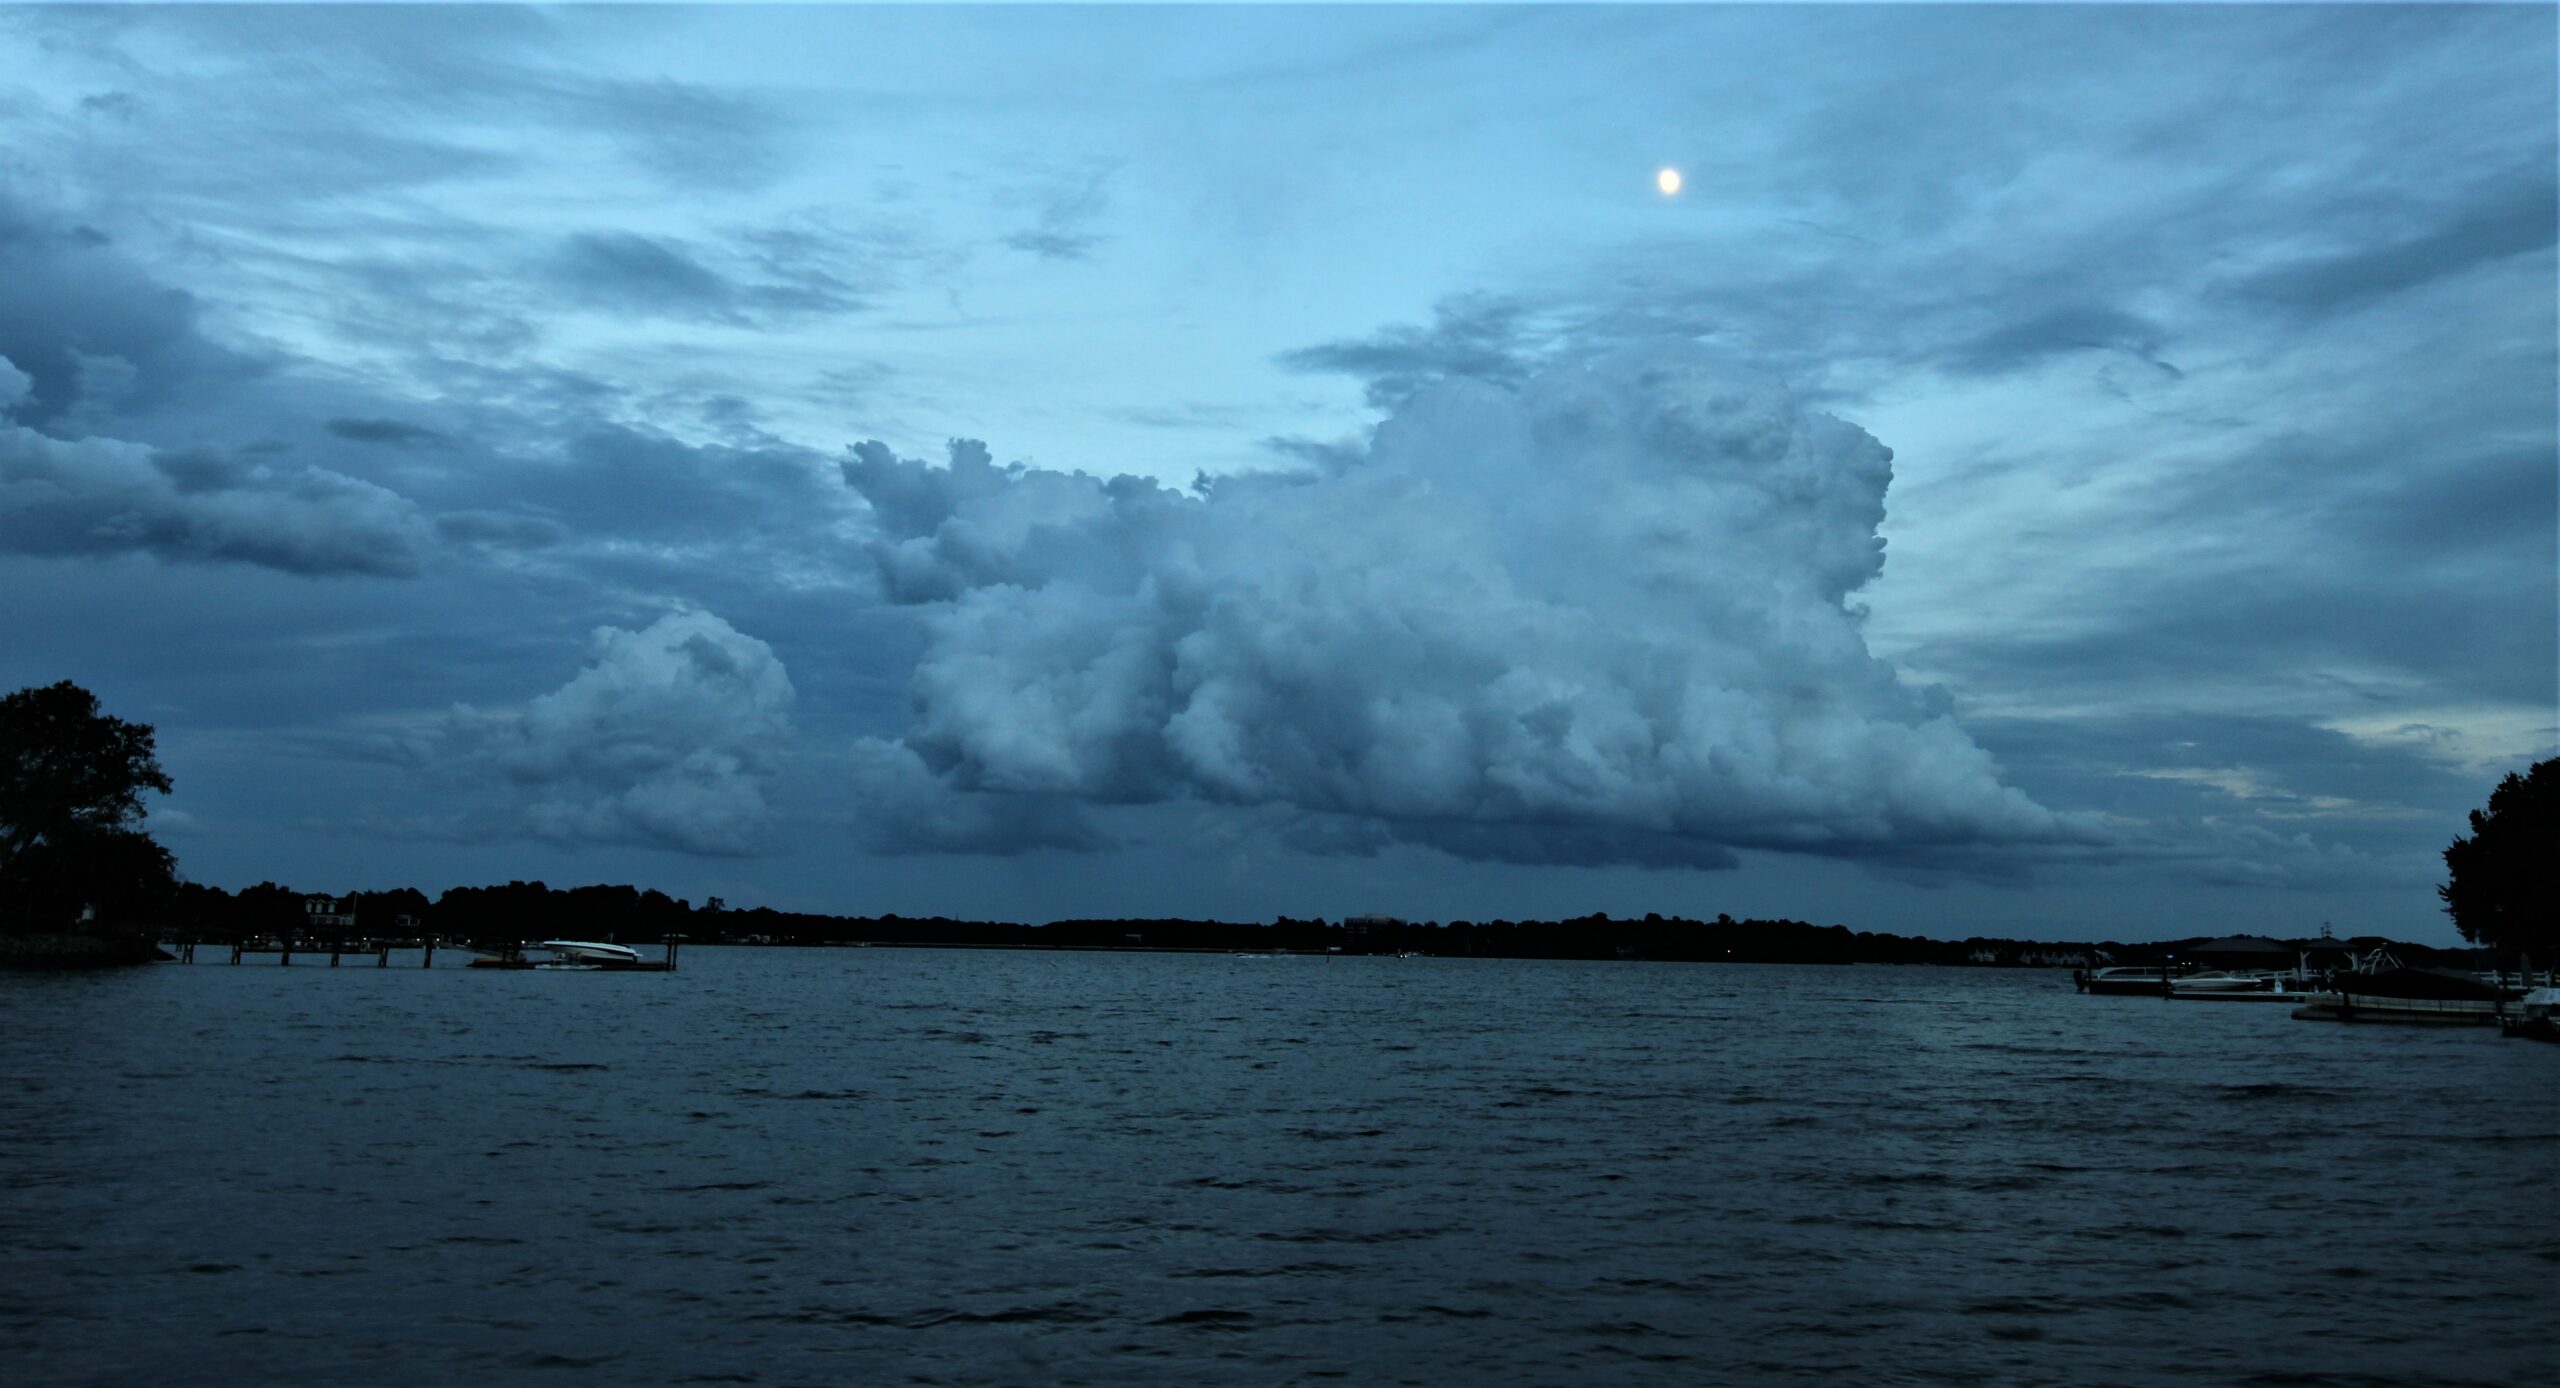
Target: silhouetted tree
(268,909)
(71,784)
(2504,890)
(378,913)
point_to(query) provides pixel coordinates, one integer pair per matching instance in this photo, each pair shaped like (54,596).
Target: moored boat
(2225,985)
(572,954)
(2534,1017)
(2429,996)
(590,952)
(2126,980)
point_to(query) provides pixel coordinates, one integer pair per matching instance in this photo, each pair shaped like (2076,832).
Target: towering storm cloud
(667,738)
(1599,616)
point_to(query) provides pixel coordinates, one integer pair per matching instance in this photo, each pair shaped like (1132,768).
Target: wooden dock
(379,950)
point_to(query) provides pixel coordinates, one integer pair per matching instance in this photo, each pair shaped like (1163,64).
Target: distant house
(1370,932)
(327,917)
(2032,956)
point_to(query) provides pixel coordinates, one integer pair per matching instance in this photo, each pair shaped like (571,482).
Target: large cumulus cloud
(667,738)
(1601,615)
(97,495)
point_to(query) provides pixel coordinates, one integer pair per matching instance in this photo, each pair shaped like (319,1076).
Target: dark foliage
(2504,878)
(71,784)
(529,912)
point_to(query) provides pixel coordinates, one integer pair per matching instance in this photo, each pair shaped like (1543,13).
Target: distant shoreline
(273,916)
(528,912)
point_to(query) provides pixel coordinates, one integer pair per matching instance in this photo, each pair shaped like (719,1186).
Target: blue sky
(2054,471)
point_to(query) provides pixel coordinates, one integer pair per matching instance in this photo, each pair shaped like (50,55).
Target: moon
(1668,181)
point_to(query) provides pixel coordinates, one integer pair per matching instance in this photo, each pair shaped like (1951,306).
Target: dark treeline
(532,911)
(515,911)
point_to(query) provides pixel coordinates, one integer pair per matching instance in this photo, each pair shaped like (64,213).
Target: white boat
(567,954)
(2227,983)
(590,952)
(2144,980)
(2535,1017)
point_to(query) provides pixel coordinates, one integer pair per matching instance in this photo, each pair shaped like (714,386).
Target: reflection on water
(880,1166)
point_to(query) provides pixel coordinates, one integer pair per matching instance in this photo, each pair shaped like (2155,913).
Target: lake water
(876,1166)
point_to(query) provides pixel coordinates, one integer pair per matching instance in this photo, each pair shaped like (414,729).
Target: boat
(2134,980)
(589,952)
(2431,996)
(2535,1017)
(2227,985)
(571,954)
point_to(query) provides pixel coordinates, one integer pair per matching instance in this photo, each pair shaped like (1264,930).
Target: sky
(2058,472)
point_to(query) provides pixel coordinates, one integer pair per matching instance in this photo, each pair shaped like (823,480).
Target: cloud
(1601,617)
(629,272)
(623,268)
(96,496)
(907,808)
(1477,337)
(500,529)
(91,331)
(1053,245)
(2511,217)
(1072,201)
(393,432)
(668,738)
(635,484)
(2059,331)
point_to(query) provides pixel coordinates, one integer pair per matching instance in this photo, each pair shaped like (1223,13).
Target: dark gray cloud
(2307,552)
(1054,245)
(1474,337)
(2060,330)
(405,79)
(1069,204)
(77,313)
(2250,799)
(2135,764)
(1569,845)
(2514,215)
(396,433)
(502,529)
(615,480)
(1321,454)
(102,496)
(907,807)
(646,275)
(624,270)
